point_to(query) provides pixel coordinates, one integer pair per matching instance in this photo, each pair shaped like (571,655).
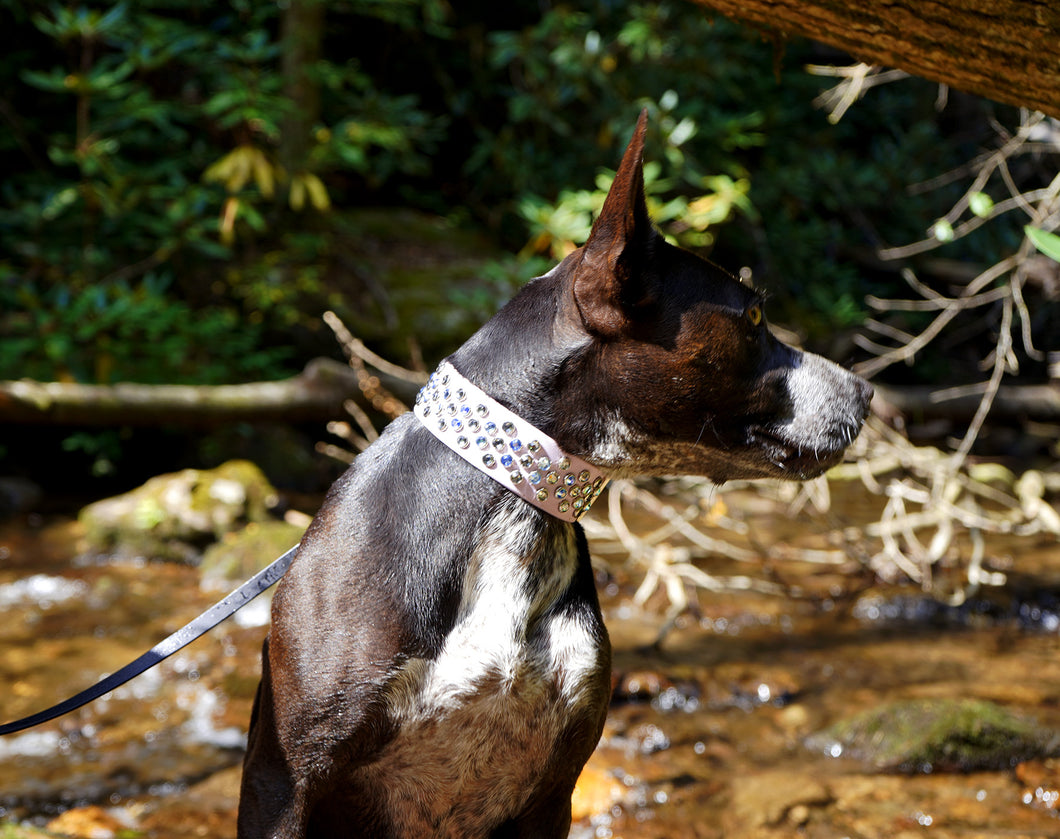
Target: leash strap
(225,608)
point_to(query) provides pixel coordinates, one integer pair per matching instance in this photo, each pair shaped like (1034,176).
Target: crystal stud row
(464,422)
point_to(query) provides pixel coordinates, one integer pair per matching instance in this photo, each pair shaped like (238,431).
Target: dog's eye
(754,314)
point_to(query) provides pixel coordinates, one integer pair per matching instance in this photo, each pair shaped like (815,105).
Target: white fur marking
(479,723)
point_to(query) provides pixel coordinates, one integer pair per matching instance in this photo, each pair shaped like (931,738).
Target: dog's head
(676,371)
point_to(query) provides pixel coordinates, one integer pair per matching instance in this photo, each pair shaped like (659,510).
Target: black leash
(235,601)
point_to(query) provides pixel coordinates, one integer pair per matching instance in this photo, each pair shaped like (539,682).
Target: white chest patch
(478,724)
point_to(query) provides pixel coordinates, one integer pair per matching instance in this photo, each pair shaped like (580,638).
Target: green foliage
(577,77)
(86,334)
(151,172)
(149,231)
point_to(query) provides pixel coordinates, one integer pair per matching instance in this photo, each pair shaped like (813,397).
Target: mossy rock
(423,277)
(242,553)
(929,735)
(13,830)
(176,516)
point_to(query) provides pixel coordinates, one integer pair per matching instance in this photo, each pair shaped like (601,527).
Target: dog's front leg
(272,805)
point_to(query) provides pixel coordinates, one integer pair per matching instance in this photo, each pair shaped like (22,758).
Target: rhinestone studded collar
(510,450)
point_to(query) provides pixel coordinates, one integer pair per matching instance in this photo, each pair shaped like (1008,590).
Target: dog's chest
(478,725)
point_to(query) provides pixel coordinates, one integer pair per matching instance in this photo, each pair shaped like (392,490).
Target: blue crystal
(507,460)
(457,425)
(491,428)
(516,444)
(481,442)
(534,477)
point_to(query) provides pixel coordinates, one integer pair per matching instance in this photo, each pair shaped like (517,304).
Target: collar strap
(510,450)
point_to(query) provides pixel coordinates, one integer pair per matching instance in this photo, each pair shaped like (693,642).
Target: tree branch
(1004,50)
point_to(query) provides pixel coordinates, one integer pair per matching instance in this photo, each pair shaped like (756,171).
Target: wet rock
(91,823)
(176,516)
(663,692)
(242,553)
(207,808)
(927,735)
(597,791)
(748,687)
(12,830)
(769,798)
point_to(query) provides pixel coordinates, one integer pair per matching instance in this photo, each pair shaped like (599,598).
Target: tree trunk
(301,37)
(1005,50)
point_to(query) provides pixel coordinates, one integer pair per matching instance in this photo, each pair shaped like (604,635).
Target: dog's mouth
(783,457)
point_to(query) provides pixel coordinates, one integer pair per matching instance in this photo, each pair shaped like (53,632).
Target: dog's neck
(494,440)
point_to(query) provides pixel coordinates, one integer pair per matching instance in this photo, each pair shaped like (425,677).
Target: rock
(929,735)
(596,791)
(90,823)
(768,798)
(242,553)
(176,516)
(13,830)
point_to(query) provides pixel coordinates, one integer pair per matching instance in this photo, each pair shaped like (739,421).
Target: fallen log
(319,392)
(316,394)
(1012,402)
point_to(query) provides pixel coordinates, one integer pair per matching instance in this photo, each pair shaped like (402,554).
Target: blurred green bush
(158,223)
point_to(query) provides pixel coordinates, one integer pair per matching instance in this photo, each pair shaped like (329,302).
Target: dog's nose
(865,393)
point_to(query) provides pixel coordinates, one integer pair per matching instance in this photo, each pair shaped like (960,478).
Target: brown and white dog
(437,663)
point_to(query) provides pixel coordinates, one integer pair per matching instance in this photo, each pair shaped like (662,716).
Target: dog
(437,663)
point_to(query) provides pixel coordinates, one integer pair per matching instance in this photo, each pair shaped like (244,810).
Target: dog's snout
(867,391)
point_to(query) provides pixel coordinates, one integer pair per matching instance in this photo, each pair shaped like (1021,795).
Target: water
(706,735)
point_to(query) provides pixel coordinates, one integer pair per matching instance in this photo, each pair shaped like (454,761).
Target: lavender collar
(510,450)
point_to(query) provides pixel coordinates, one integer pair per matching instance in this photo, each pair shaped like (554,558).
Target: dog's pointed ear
(607,281)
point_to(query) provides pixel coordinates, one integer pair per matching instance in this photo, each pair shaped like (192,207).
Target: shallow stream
(706,736)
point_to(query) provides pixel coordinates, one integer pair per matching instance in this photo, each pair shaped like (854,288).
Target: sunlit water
(706,736)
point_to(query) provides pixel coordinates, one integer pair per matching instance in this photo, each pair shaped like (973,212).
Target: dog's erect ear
(607,281)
